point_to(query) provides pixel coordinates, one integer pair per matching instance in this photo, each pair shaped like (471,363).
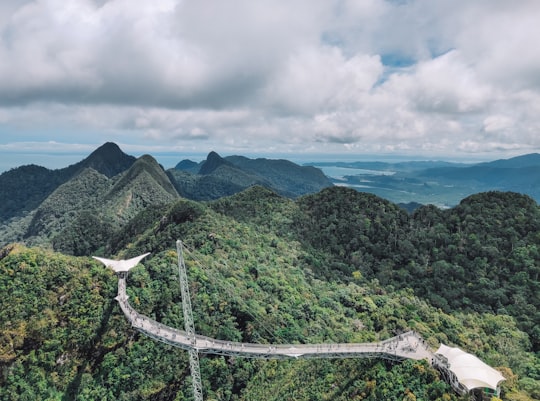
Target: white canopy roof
(122,265)
(469,370)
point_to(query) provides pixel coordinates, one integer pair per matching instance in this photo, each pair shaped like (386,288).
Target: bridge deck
(405,346)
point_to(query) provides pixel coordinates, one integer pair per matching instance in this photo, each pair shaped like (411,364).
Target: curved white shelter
(121,265)
(470,371)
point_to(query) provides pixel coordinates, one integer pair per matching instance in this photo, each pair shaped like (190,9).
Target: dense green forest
(336,266)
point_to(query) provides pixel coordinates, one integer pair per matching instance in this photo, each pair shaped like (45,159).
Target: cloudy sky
(433,78)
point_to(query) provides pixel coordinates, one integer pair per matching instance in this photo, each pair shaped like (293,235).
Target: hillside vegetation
(22,189)
(217,177)
(74,209)
(336,266)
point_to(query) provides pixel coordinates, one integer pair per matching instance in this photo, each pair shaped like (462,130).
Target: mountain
(79,215)
(24,188)
(334,266)
(284,176)
(108,188)
(151,180)
(108,160)
(217,176)
(83,192)
(188,165)
(214,179)
(528,160)
(435,182)
(518,174)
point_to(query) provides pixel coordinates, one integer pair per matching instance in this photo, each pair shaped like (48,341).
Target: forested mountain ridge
(256,276)
(336,265)
(482,255)
(80,215)
(285,176)
(24,188)
(219,176)
(214,178)
(108,188)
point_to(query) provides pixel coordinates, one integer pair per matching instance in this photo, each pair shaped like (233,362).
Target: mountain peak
(108,159)
(148,166)
(213,161)
(187,165)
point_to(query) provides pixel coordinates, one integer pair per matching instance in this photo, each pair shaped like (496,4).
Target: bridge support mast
(189,325)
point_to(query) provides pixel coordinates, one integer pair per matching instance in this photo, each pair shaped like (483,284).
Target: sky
(297,79)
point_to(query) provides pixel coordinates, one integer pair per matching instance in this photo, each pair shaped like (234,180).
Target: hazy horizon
(53,161)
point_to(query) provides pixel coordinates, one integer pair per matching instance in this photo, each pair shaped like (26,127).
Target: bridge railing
(399,347)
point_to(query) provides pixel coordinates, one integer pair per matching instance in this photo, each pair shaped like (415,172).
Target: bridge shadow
(92,357)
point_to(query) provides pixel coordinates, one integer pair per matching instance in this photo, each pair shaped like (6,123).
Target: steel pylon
(189,325)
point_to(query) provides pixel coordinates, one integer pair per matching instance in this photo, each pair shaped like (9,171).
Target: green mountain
(216,177)
(284,176)
(105,190)
(80,215)
(334,265)
(24,188)
(327,267)
(480,256)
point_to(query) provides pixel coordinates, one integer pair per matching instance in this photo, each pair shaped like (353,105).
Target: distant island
(440,183)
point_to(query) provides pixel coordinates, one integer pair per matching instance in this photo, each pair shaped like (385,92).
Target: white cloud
(321,79)
(494,123)
(341,75)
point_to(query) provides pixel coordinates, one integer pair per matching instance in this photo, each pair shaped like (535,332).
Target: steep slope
(148,176)
(108,160)
(24,188)
(83,192)
(82,214)
(213,161)
(142,187)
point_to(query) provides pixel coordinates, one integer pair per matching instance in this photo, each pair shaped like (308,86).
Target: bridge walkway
(404,346)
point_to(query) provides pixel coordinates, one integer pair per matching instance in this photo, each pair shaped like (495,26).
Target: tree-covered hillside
(483,255)
(337,266)
(217,177)
(24,188)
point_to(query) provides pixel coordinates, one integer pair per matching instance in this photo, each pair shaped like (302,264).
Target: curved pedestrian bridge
(408,345)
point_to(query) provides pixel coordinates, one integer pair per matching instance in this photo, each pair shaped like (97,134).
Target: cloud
(321,79)
(288,76)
